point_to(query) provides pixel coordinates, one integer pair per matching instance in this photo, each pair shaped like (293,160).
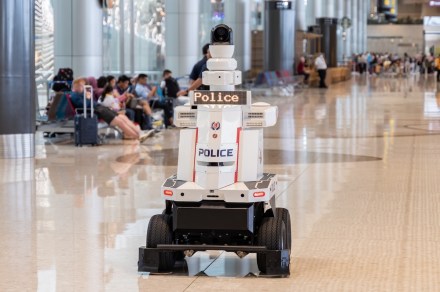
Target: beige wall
(412,10)
(395,38)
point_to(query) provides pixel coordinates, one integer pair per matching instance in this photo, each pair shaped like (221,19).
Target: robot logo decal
(215,126)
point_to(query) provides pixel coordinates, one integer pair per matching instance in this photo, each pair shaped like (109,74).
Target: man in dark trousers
(321,67)
(170,89)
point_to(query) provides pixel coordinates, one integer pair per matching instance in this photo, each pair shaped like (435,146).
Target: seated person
(108,100)
(124,91)
(111,80)
(129,130)
(302,69)
(101,83)
(148,94)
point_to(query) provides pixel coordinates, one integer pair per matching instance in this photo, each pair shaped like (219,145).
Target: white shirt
(111,102)
(320,63)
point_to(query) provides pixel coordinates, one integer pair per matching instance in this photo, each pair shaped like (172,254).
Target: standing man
(437,67)
(197,83)
(170,88)
(321,67)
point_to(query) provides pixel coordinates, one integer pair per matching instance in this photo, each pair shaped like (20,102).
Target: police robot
(220,198)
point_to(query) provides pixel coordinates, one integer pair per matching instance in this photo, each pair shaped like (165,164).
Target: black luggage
(86,125)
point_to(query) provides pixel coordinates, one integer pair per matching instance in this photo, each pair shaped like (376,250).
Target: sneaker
(145,134)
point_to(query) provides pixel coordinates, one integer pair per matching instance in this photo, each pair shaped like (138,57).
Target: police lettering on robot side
(216,153)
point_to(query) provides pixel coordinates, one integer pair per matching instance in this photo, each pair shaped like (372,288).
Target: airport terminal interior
(355,152)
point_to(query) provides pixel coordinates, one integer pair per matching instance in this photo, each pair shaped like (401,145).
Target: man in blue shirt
(199,66)
(148,93)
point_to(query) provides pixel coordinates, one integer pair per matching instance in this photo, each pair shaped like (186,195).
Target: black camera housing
(221,35)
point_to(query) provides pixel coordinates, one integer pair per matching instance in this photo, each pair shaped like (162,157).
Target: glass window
(134,37)
(44,50)
(211,13)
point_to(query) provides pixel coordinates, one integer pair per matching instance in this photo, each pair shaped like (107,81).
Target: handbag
(131,103)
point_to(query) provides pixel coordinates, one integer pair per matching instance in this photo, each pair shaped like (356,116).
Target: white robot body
(220,198)
(222,78)
(221,151)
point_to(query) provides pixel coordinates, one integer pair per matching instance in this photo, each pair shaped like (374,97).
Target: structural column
(78,36)
(309,12)
(318,8)
(349,31)
(279,35)
(17,79)
(360,18)
(63,34)
(339,15)
(237,16)
(181,37)
(354,26)
(365,34)
(330,10)
(301,15)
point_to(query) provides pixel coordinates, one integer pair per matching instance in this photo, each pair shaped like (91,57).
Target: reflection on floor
(358,169)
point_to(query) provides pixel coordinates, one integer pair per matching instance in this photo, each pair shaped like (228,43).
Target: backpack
(65,74)
(63,80)
(171,87)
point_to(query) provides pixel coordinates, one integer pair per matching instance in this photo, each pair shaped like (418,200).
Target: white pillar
(330,8)
(301,15)
(62,34)
(318,8)
(87,38)
(366,14)
(354,27)
(182,36)
(360,18)
(310,13)
(237,16)
(78,36)
(341,43)
(349,31)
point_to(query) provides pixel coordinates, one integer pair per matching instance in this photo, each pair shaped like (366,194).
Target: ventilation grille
(187,124)
(187,115)
(254,124)
(255,115)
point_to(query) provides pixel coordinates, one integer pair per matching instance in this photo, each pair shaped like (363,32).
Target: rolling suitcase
(86,126)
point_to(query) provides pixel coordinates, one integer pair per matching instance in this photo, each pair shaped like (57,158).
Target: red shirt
(300,68)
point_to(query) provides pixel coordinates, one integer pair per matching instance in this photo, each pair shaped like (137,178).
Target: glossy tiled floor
(359,170)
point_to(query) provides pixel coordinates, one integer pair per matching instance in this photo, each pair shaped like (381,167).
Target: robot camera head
(222,45)
(221,35)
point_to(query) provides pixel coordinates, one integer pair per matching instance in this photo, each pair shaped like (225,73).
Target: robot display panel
(205,97)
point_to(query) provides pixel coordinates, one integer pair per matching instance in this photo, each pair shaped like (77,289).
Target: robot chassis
(220,199)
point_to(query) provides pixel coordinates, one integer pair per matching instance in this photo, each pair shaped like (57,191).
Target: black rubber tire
(273,235)
(160,232)
(285,216)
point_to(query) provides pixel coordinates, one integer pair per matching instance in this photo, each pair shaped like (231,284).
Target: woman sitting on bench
(129,129)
